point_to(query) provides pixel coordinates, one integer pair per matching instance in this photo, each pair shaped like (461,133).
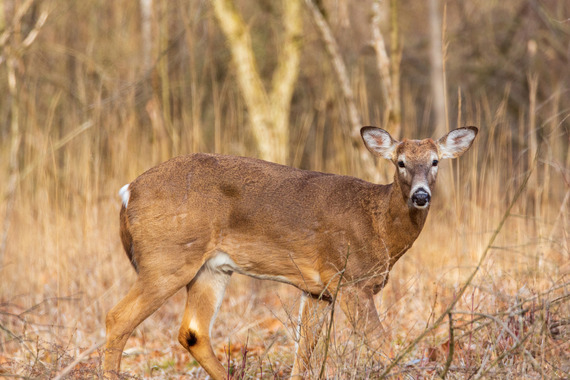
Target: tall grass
(92,119)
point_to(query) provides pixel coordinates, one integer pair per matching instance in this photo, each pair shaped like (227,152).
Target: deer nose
(421,198)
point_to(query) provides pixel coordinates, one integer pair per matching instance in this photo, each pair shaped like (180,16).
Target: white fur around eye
(434,157)
(403,171)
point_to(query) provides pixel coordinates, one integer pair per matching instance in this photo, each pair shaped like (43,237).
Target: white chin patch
(420,207)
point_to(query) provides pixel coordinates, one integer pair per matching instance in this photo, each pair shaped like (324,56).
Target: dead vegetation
(484,292)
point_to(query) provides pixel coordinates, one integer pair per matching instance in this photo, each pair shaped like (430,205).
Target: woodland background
(95,92)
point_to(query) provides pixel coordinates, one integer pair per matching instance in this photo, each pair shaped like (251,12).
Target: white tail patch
(124,193)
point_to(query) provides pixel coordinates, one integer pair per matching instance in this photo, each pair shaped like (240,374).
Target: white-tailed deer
(194,220)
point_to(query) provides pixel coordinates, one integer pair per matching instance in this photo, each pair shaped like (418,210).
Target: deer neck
(401,224)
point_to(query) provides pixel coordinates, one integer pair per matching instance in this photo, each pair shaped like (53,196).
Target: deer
(194,220)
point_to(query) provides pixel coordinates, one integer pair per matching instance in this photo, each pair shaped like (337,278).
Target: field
(483,293)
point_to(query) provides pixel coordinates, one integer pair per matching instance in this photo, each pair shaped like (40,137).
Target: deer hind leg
(311,317)
(205,294)
(143,299)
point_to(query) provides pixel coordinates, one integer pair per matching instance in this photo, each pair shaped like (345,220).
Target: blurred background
(94,92)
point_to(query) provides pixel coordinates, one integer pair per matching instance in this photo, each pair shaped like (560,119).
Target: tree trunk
(339,68)
(14,47)
(146,33)
(269,113)
(436,52)
(389,70)
(395,58)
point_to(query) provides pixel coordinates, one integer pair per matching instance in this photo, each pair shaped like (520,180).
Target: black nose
(421,197)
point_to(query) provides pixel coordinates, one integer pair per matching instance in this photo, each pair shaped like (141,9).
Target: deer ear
(456,142)
(379,142)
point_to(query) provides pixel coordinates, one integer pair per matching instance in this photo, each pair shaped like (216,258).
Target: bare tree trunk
(446,182)
(146,33)
(534,187)
(269,114)
(12,46)
(15,138)
(382,60)
(395,58)
(165,85)
(285,75)
(339,67)
(2,17)
(436,58)
(392,109)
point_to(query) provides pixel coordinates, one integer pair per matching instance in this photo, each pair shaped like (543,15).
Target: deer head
(417,160)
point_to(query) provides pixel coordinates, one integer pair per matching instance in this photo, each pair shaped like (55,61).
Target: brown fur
(126,237)
(258,235)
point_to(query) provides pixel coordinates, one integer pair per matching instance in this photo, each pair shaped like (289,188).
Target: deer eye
(401,164)
(434,162)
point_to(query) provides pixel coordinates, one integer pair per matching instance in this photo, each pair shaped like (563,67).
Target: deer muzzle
(421,198)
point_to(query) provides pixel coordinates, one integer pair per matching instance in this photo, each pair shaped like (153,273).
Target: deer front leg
(311,317)
(358,306)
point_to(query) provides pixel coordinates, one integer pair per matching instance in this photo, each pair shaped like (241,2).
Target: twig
(484,371)
(5,375)
(508,330)
(8,32)
(55,147)
(78,360)
(22,342)
(451,348)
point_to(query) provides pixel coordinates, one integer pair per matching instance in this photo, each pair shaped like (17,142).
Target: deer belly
(268,268)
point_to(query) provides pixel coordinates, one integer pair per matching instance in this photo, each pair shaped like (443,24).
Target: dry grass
(85,135)
(64,269)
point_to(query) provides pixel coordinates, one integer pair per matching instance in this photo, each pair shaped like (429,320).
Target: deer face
(417,161)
